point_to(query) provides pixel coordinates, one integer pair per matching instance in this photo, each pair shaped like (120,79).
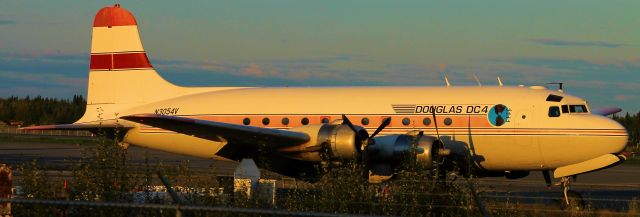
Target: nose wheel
(572,200)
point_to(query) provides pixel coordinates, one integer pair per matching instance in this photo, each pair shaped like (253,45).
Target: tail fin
(120,74)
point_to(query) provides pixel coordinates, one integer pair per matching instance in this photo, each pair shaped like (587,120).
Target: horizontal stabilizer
(607,111)
(602,162)
(215,131)
(73,127)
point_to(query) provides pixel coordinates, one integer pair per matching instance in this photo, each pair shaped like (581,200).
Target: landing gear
(572,200)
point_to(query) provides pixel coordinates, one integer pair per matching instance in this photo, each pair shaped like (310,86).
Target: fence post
(477,200)
(176,199)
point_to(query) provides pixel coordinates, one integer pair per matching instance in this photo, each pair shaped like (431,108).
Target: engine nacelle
(393,149)
(328,142)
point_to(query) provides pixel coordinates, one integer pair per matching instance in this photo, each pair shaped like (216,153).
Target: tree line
(41,110)
(632,123)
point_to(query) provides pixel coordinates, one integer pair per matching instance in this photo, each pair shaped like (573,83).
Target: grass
(105,173)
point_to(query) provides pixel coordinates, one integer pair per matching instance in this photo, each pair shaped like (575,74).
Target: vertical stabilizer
(120,74)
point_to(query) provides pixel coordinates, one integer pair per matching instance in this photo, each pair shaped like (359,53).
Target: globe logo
(498,115)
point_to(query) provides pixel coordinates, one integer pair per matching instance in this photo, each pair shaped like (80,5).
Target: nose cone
(618,135)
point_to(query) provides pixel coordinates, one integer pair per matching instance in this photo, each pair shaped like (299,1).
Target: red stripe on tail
(119,61)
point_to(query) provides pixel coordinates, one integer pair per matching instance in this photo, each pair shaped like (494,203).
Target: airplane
(501,130)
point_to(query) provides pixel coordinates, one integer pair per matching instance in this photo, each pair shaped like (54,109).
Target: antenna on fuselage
(443,69)
(500,82)
(560,84)
(446,81)
(477,79)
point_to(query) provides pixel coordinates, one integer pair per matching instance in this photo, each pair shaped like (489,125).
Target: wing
(216,131)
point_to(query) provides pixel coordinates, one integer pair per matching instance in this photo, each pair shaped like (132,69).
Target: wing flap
(215,131)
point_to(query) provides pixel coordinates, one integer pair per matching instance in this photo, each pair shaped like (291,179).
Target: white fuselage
(526,139)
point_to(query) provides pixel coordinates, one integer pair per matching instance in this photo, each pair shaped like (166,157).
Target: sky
(592,46)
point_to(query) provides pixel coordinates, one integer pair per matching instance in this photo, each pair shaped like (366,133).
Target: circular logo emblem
(498,115)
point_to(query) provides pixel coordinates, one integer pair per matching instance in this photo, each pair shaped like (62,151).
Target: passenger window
(565,109)
(406,121)
(365,121)
(325,120)
(426,121)
(448,121)
(554,111)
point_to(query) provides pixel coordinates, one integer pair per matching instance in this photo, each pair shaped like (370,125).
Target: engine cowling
(393,149)
(329,142)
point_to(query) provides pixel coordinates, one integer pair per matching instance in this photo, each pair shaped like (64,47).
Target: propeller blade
(435,122)
(419,136)
(347,122)
(384,124)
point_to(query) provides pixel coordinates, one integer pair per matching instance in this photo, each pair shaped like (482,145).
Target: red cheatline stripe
(113,16)
(119,61)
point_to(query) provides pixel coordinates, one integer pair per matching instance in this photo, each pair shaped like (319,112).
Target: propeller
(384,124)
(366,140)
(433,112)
(347,122)
(440,169)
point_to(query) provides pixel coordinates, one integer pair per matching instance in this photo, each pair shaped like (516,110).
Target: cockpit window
(554,98)
(577,108)
(554,111)
(574,109)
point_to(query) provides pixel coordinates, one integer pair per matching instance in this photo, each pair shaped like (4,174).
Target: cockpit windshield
(574,109)
(577,108)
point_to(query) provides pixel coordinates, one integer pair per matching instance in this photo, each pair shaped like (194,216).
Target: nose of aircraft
(619,135)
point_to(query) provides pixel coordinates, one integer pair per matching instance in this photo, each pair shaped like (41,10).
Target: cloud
(45,79)
(571,65)
(257,70)
(571,43)
(55,62)
(603,83)
(307,70)
(45,73)
(7,22)
(624,97)
(322,71)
